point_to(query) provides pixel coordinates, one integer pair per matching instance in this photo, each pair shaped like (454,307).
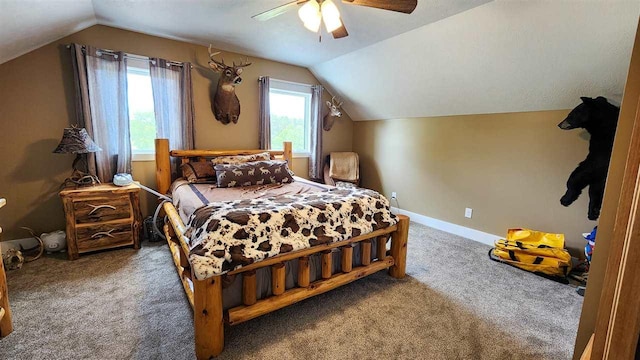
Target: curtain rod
(289,82)
(133,56)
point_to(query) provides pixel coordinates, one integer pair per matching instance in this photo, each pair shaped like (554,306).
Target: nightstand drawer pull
(103,233)
(98,207)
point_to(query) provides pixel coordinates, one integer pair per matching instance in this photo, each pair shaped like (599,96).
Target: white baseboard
(476,235)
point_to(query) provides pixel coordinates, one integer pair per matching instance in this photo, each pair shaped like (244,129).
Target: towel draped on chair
(344,166)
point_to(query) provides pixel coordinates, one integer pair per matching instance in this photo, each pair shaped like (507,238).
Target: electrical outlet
(468,212)
(393,195)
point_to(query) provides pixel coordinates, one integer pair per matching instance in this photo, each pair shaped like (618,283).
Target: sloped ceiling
(227,24)
(26,25)
(504,56)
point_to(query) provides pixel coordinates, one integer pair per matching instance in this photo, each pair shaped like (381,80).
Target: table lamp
(77,141)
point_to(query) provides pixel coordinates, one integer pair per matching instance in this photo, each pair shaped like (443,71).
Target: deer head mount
(334,113)
(225,105)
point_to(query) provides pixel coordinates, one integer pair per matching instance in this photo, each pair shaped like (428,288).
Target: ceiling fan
(314,12)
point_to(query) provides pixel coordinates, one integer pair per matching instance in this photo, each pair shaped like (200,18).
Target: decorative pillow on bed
(198,172)
(253,173)
(240,159)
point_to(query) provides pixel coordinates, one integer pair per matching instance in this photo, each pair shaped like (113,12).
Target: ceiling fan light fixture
(310,15)
(313,24)
(331,16)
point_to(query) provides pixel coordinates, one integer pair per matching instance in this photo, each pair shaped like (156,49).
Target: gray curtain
(264,112)
(83,110)
(315,159)
(102,108)
(173,103)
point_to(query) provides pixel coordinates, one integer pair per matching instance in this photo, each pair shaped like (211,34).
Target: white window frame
(290,88)
(141,68)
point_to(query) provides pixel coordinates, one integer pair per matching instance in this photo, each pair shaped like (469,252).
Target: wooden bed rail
(244,313)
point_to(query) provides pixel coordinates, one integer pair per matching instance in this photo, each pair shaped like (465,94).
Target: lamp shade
(76,141)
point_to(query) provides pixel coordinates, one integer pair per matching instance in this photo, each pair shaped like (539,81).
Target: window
(142,121)
(290,112)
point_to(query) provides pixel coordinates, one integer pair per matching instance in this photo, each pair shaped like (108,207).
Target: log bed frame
(205,296)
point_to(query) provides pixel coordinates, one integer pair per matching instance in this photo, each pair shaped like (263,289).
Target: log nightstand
(101,217)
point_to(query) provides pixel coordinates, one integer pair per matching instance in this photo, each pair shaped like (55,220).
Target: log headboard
(164,154)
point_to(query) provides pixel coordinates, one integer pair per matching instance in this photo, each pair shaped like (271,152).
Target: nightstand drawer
(104,236)
(102,209)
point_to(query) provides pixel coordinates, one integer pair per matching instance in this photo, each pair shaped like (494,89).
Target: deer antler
(333,101)
(242,64)
(222,64)
(212,60)
(212,54)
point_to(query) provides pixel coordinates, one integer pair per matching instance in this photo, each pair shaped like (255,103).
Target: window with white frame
(290,113)
(142,120)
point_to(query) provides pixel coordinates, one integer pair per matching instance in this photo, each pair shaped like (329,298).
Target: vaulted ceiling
(449,57)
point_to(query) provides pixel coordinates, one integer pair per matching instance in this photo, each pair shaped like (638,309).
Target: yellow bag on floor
(535,251)
(537,238)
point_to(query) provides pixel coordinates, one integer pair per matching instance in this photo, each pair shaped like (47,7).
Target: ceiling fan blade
(279,10)
(403,6)
(340,32)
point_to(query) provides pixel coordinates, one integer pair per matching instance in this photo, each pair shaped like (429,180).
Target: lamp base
(79,179)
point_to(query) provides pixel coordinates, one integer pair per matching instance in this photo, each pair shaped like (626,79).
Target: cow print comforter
(224,236)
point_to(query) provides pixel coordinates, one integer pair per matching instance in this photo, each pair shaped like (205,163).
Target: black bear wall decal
(599,118)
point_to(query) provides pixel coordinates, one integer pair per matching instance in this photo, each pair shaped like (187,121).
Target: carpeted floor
(455,304)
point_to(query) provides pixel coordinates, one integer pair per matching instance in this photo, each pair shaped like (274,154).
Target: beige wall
(511,169)
(36,103)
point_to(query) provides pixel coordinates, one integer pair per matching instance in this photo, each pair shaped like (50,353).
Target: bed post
(288,152)
(208,317)
(163,165)
(399,247)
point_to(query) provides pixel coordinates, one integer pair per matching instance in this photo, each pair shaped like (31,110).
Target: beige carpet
(455,304)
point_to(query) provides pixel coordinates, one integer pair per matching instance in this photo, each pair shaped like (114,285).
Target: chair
(342,167)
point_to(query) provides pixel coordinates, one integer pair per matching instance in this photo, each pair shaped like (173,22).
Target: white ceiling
(227,24)
(26,25)
(504,56)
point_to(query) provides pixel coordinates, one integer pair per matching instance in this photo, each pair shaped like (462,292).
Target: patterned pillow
(198,172)
(253,173)
(240,159)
